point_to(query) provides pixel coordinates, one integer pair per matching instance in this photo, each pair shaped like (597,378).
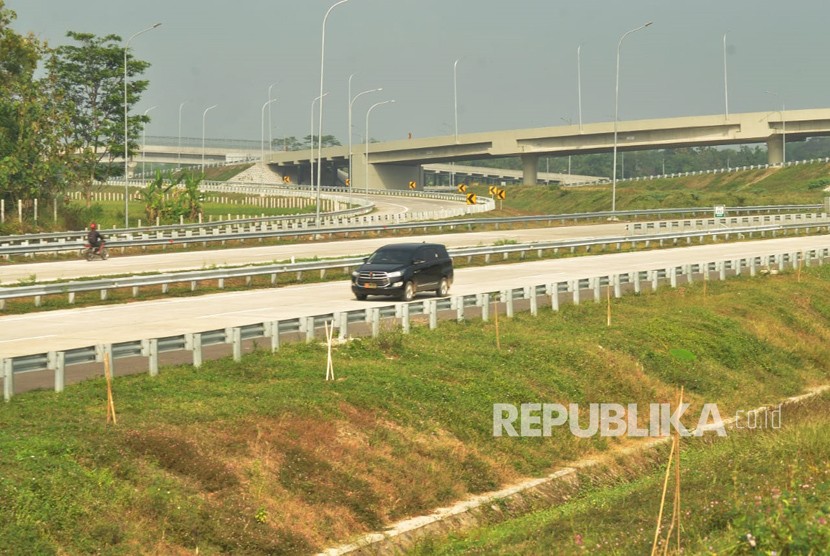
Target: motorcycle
(89,252)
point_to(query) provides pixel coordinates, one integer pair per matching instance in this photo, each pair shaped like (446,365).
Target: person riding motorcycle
(94,238)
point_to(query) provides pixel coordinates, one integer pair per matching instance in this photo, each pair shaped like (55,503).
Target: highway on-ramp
(67,329)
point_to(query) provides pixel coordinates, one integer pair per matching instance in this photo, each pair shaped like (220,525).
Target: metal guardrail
(105,285)
(261,229)
(431,310)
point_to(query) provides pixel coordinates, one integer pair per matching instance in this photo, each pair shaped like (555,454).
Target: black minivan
(404,269)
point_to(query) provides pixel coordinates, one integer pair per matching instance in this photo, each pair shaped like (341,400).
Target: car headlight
(355,274)
(396,274)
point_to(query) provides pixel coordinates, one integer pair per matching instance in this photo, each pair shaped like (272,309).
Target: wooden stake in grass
(675,519)
(329,363)
(798,268)
(110,401)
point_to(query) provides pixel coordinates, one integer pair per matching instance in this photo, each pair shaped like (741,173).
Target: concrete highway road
(61,330)
(194,260)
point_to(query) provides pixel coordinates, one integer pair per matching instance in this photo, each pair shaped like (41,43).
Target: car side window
(430,254)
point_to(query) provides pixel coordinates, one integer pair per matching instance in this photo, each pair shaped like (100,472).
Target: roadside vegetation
(758,491)
(803,184)
(265,457)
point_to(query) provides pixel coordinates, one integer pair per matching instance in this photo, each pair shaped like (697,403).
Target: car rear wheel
(408,291)
(443,288)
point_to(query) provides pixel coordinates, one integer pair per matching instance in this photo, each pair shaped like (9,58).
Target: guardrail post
(152,353)
(753,271)
(405,324)
(806,255)
(375,318)
(507,298)
(554,296)
(343,325)
(8,379)
(193,342)
(595,285)
(60,370)
(672,272)
(236,338)
(721,266)
(736,266)
(637,286)
(433,313)
(530,292)
(654,280)
(687,270)
(484,301)
(458,301)
(309,328)
(617,286)
(574,286)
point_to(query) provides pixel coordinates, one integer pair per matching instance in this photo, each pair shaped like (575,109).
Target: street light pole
(144,144)
(616,118)
(366,158)
(351,103)
(725,82)
(262,130)
(270,128)
(203,134)
(320,123)
(126,130)
(579,83)
(783,128)
(179,155)
(311,159)
(455,112)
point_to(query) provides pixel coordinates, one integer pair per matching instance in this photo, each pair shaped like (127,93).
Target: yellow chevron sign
(471,198)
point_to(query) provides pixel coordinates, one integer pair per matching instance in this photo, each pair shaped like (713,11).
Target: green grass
(265,457)
(760,491)
(774,186)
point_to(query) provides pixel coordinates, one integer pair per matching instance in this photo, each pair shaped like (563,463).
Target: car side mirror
(365,259)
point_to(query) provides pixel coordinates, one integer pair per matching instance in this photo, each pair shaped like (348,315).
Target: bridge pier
(530,169)
(775,149)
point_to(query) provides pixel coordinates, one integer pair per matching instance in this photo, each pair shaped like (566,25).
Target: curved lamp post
(126,130)
(616,118)
(366,161)
(783,128)
(209,108)
(179,152)
(311,159)
(270,125)
(144,144)
(351,103)
(262,129)
(320,123)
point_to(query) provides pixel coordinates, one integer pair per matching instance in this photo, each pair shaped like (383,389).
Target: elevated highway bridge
(393,164)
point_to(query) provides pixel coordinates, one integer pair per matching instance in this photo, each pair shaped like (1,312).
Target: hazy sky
(517,68)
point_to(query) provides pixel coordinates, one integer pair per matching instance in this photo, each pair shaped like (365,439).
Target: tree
(91,75)
(33,117)
(328,141)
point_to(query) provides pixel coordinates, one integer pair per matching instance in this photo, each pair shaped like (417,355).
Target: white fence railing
(368,321)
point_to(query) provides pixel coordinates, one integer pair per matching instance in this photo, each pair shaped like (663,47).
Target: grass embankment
(758,491)
(265,457)
(772,186)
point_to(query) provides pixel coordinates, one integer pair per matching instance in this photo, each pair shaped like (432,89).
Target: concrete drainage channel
(485,508)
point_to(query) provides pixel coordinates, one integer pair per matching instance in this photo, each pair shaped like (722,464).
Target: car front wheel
(408,291)
(443,288)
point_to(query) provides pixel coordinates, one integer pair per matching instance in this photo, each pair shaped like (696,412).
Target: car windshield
(391,256)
